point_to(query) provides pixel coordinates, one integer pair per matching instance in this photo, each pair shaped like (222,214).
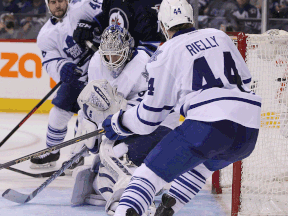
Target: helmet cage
(115,41)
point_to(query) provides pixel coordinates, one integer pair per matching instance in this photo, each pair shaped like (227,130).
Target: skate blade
(43,166)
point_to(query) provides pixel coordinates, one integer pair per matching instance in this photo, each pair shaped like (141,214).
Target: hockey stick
(48,150)
(17,197)
(30,113)
(34,175)
(80,63)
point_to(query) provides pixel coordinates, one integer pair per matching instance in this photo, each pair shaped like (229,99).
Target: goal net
(258,185)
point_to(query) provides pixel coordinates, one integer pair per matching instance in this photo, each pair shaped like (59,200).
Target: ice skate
(47,160)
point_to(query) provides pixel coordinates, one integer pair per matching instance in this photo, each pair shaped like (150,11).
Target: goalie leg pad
(82,186)
(94,199)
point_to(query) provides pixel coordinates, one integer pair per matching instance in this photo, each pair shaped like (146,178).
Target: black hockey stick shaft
(34,175)
(48,150)
(30,113)
(15,196)
(80,63)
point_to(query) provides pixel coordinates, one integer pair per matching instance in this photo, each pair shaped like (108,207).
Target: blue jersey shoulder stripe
(153,109)
(146,122)
(226,98)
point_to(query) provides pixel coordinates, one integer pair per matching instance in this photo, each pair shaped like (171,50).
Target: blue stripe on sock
(145,181)
(138,193)
(183,186)
(194,175)
(187,184)
(198,174)
(131,203)
(54,130)
(149,198)
(138,203)
(191,182)
(179,196)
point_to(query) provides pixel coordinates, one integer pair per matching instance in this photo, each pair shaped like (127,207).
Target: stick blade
(48,174)
(15,196)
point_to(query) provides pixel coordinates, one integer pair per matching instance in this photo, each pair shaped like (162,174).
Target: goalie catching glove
(99,100)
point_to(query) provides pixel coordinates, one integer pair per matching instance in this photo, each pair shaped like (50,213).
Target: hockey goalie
(117,81)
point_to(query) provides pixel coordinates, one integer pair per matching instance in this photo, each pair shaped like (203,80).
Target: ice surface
(55,199)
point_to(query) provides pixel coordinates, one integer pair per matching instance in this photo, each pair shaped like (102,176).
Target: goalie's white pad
(86,126)
(82,186)
(113,175)
(98,100)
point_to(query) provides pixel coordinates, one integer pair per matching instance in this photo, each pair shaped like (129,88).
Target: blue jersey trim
(183,31)
(182,111)
(247,81)
(146,122)
(54,59)
(153,109)
(226,98)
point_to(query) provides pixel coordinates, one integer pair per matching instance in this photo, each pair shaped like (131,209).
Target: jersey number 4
(202,69)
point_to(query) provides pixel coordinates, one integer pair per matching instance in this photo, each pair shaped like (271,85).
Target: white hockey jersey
(132,81)
(55,40)
(200,74)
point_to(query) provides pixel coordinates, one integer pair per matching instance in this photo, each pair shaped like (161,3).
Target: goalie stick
(80,63)
(46,150)
(34,175)
(17,197)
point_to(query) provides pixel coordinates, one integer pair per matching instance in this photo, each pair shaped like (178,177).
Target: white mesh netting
(264,189)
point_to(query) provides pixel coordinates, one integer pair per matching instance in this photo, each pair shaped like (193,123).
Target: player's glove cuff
(114,128)
(84,32)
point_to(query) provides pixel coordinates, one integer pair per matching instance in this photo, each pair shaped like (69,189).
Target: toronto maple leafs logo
(119,17)
(73,51)
(154,56)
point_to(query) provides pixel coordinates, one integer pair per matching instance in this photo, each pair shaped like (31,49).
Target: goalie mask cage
(258,185)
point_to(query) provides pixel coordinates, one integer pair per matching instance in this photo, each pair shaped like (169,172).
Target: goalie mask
(116,48)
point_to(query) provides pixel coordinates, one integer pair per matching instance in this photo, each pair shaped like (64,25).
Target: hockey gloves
(70,74)
(114,128)
(84,32)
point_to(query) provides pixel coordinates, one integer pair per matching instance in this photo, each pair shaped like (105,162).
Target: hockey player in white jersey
(119,65)
(60,57)
(201,74)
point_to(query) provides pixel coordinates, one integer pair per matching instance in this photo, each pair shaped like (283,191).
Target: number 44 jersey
(203,76)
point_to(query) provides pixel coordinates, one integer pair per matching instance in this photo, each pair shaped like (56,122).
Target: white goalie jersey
(200,74)
(55,40)
(132,82)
